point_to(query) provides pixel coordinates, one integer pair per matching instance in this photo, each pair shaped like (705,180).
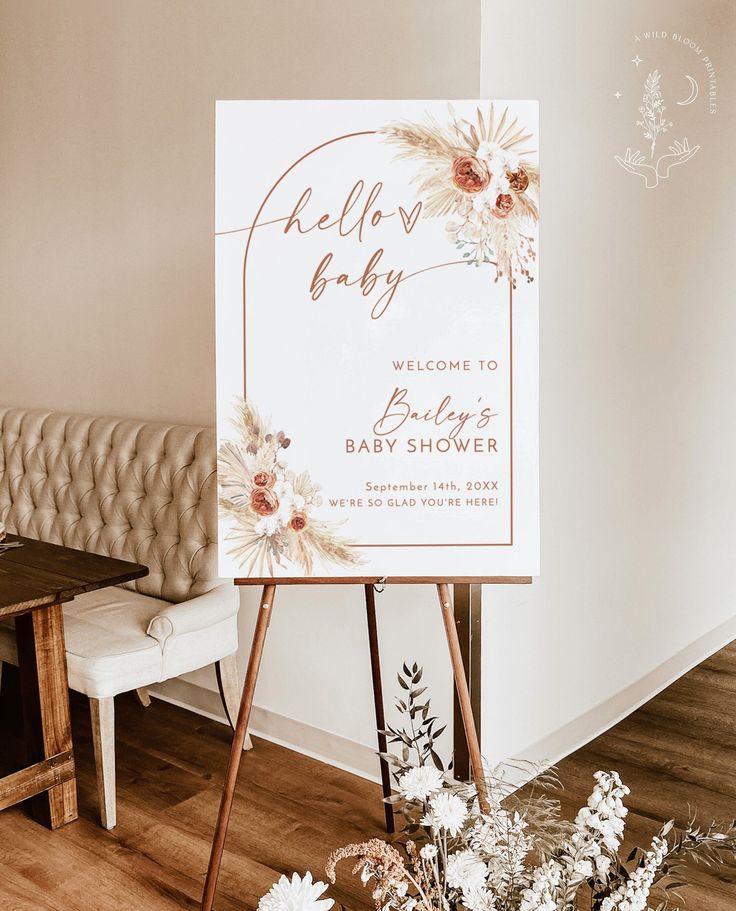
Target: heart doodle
(410,218)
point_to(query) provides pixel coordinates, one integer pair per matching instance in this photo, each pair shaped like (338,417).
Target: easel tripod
(254,662)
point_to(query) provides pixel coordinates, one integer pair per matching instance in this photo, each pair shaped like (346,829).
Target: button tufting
(135,488)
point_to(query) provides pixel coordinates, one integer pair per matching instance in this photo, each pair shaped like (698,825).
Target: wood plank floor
(676,752)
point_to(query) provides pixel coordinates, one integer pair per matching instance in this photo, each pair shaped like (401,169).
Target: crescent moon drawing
(693,91)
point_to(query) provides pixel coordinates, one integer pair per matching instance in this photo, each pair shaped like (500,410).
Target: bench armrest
(196,614)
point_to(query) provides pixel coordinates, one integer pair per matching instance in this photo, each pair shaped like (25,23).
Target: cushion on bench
(109,647)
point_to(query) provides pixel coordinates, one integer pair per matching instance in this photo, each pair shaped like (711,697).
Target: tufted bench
(139,491)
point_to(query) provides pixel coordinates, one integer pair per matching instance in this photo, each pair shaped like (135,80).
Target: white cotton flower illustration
(488,151)
(497,165)
(418,783)
(459,161)
(465,870)
(453,229)
(285,512)
(268,525)
(482,200)
(500,184)
(284,490)
(296,894)
(446,811)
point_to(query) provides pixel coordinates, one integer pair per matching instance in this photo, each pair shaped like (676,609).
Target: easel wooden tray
(389,580)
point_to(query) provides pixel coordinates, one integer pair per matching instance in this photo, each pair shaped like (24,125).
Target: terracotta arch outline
(258,215)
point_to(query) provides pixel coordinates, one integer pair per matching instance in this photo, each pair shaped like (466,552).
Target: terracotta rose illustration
(270,507)
(481,175)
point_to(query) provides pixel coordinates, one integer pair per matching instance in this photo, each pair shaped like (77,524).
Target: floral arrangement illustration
(480,175)
(271,507)
(653,121)
(521,855)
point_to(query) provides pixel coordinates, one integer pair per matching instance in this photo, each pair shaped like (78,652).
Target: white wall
(638,326)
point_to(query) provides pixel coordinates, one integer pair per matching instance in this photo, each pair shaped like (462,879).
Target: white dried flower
(601,822)
(296,894)
(583,868)
(446,811)
(633,895)
(542,894)
(479,899)
(419,782)
(465,870)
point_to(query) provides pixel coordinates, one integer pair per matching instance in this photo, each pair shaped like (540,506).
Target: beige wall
(637,369)
(106,263)
(107,178)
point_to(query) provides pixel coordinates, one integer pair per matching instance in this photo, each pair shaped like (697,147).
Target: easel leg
(463,694)
(370,609)
(466,604)
(236,750)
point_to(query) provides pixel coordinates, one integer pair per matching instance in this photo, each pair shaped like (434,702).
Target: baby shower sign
(377,308)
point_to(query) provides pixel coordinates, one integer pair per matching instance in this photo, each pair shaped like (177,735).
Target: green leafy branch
(419,733)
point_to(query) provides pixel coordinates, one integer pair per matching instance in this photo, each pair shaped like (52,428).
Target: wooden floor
(677,751)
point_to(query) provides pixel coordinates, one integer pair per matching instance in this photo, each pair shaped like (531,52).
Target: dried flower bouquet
(521,856)
(270,507)
(482,175)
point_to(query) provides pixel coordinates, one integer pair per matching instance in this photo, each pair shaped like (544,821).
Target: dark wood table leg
(44,686)
(370,609)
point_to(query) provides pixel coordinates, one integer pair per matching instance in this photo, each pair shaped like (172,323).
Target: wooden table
(35,580)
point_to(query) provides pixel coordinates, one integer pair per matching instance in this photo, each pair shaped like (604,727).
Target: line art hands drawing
(635,162)
(679,153)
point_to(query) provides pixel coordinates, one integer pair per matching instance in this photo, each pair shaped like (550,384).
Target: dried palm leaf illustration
(270,507)
(479,173)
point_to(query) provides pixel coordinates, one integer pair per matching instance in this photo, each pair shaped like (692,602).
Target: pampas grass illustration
(271,508)
(479,171)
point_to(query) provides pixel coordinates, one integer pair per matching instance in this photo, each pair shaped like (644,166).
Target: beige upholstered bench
(139,491)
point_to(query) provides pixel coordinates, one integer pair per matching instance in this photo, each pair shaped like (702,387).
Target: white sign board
(376,287)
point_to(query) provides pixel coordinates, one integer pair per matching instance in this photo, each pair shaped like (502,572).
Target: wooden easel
(251,678)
